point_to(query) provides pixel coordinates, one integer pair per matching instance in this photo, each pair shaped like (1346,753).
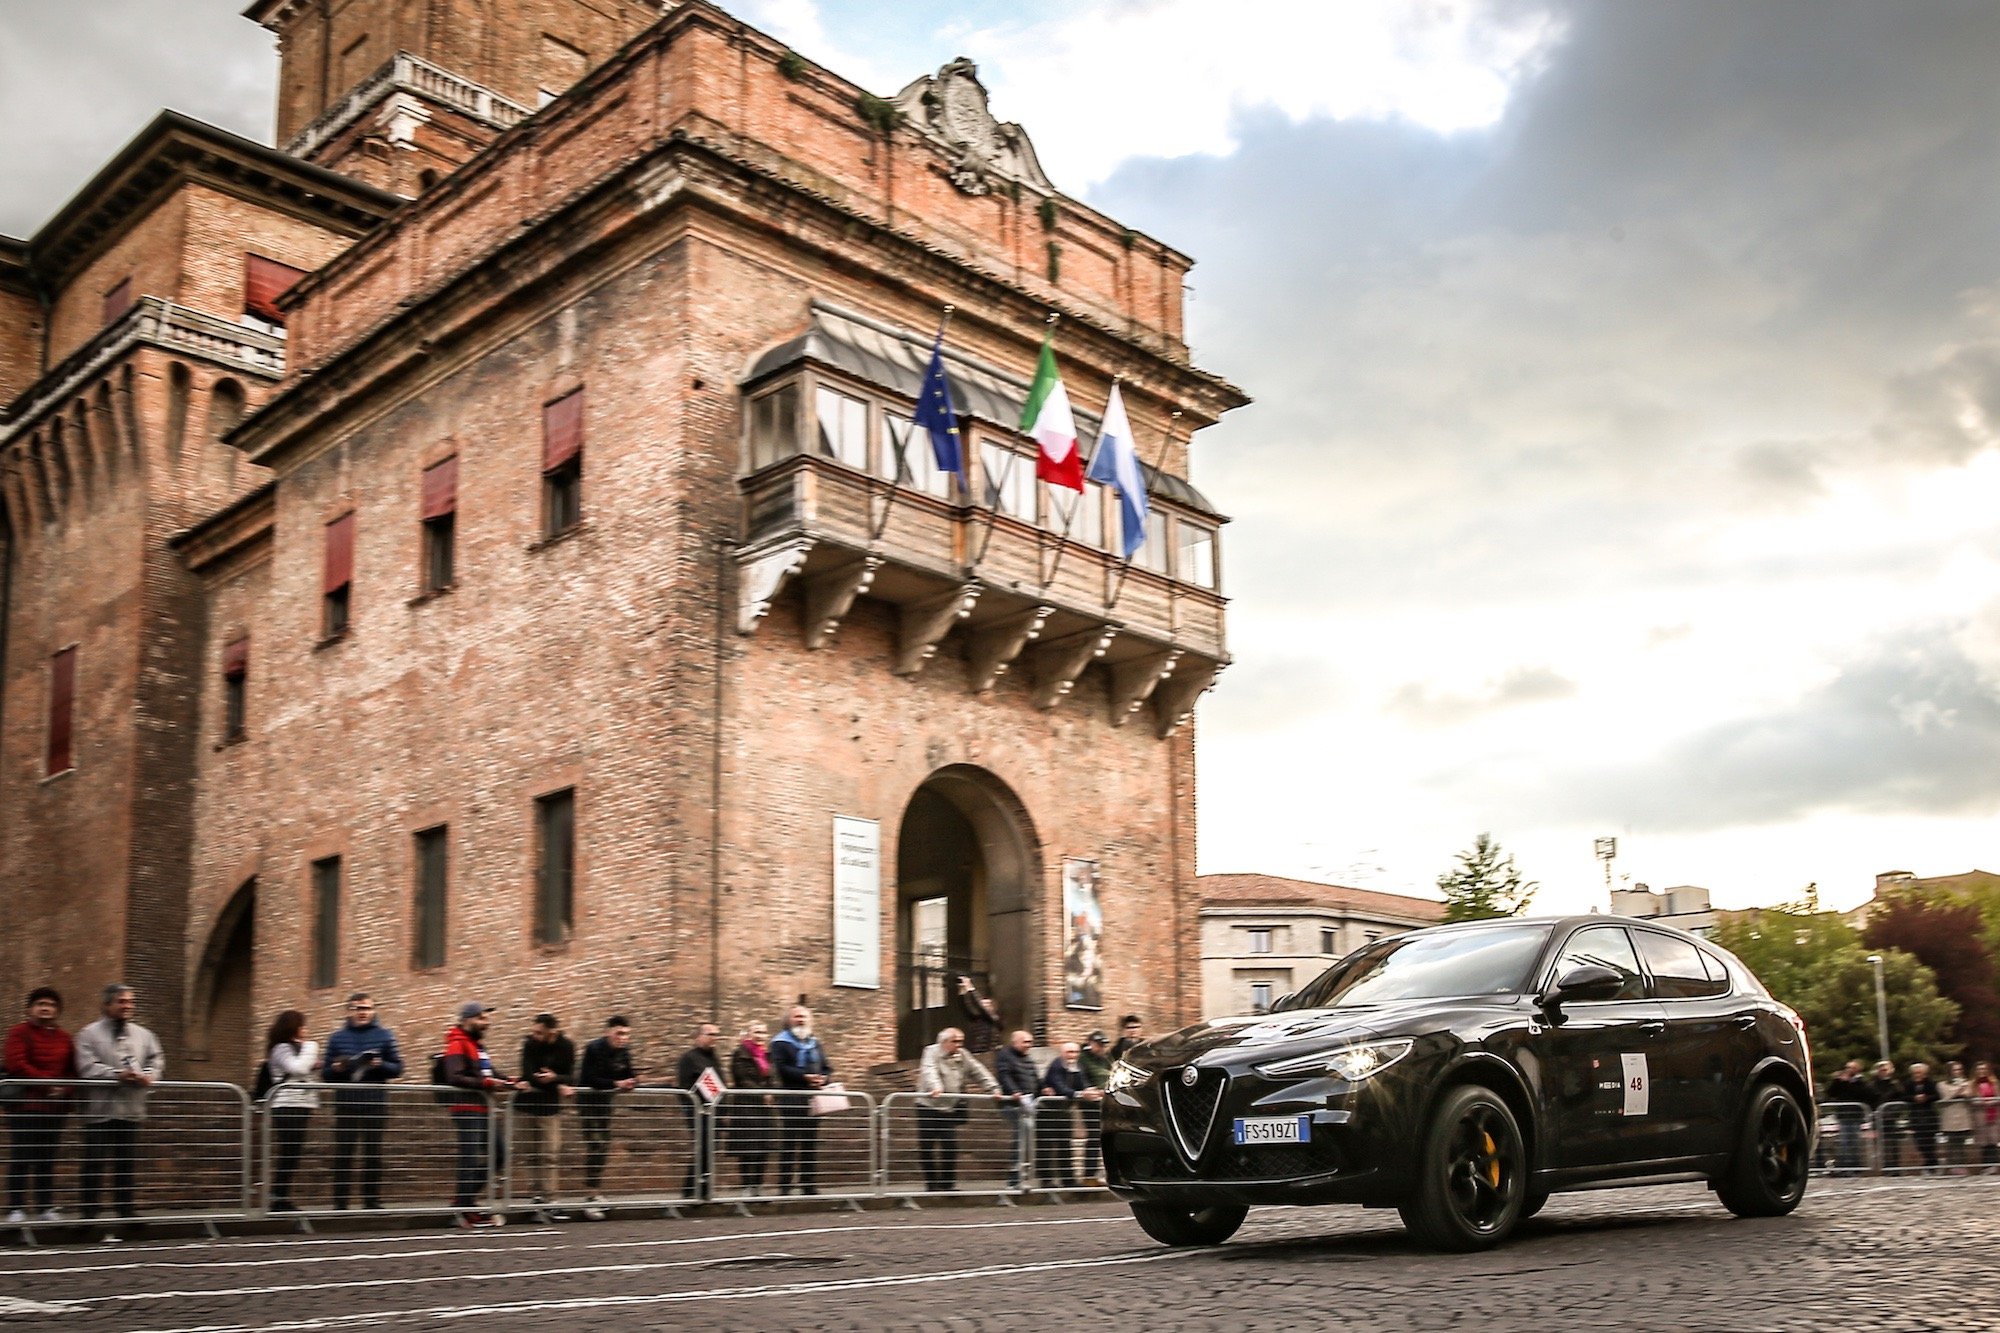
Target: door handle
(1746,1021)
(1654,1028)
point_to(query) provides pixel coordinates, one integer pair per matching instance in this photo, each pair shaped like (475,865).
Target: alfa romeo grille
(1191,1110)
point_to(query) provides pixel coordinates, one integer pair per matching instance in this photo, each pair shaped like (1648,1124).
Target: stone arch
(219,1019)
(968,882)
(104,429)
(180,385)
(226,404)
(82,449)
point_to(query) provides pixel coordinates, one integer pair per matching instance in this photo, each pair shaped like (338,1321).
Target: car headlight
(1124,1077)
(1355,1063)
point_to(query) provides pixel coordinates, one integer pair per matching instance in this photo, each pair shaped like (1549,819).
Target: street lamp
(1881,1004)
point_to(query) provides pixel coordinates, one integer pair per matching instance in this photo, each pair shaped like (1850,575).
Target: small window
(1196,559)
(326,923)
(1080,514)
(264,282)
(235,689)
(843,428)
(774,426)
(555,866)
(908,459)
(1327,943)
(1260,997)
(1677,968)
(118,300)
(440,525)
(1153,555)
(62,713)
(1604,946)
(427,929)
(1008,480)
(562,464)
(337,582)
(1260,941)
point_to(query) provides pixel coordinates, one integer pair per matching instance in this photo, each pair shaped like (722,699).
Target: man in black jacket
(1920,1090)
(607,1070)
(548,1068)
(699,1060)
(1064,1085)
(1014,1068)
(1850,1099)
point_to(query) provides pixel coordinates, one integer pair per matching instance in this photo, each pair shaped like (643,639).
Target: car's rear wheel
(1189,1226)
(1472,1173)
(1767,1176)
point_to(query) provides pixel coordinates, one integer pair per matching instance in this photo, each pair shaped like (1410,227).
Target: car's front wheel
(1767,1176)
(1472,1173)
(1188,1226)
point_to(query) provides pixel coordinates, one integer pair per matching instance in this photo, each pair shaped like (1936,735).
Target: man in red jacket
(468,1067)
(37,1049)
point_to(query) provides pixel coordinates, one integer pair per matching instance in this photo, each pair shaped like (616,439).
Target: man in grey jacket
(126,1059)
(942,1079)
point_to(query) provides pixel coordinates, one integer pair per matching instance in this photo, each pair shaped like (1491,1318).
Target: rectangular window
(427,929)
(62,713)
(1007,480)
(774,426)
(440,520)
(1082,515)
(1260,997)
(235,689)
(326,922)
(264,281)
(562,464)
(1326,942)
(1260,941)
(118,300)
(337,582)
(843,428)
(555,865)
(1153,555)
(1196,561)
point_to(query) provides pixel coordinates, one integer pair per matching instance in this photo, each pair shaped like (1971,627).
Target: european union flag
(938,417)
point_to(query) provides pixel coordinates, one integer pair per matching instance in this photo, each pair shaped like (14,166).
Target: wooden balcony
(1018,597)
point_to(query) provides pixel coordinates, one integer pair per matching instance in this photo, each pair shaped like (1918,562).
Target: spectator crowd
(1917,1120)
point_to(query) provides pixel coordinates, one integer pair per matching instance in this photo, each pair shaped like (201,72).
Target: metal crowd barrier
(776,1144)
(94,1150)
(605,1150)
(1897,1138)
(949,1143)
(401,1148)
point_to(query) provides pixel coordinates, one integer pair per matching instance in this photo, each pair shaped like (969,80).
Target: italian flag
(1046,417)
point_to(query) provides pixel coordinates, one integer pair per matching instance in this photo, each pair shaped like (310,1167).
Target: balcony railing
(1018,597)
(406,73)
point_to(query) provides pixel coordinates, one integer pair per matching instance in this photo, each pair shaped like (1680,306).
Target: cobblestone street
(1887,1254)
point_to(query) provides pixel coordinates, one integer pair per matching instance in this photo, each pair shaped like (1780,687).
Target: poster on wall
(857,903)
(1083,965)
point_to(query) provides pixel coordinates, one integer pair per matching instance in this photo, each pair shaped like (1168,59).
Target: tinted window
(1604,946)
(1493,961)
(1677,967)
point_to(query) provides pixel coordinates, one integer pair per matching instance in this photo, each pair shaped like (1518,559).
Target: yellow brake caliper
(1492,1159)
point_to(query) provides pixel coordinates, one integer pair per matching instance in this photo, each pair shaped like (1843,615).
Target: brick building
(471,550)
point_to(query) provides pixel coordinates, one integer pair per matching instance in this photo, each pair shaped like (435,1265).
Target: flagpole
(1125,567)
(1006,475)
(1062,544)
(881,525)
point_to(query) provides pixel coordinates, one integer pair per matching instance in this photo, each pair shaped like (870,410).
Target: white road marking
(865,1226)
(427,1238)
(599,1302)
(204,1264)
(15,1305)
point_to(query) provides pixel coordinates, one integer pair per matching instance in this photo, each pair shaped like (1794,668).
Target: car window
(1603,946)
(1494,960)
(1678,969)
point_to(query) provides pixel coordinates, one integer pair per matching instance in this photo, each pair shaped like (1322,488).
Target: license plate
(1274,1129)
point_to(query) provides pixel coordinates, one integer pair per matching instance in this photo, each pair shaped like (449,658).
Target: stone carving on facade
(981,153)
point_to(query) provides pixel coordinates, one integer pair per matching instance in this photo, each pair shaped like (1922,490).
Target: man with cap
(468,1068)
(1096,1062)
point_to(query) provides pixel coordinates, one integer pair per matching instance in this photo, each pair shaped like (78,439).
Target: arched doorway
(967,868)
(219,1018)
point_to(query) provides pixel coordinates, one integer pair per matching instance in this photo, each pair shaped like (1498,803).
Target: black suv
(1464,1073)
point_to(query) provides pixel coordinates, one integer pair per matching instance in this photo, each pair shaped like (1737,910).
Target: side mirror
(1591,981)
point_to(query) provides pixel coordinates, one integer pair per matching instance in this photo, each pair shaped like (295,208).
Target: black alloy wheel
(1767,1177)
(1471,1174)
(1189,1226)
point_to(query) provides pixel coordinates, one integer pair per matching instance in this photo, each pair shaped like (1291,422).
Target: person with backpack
(361,1056)
(285,1088)
(465,1068)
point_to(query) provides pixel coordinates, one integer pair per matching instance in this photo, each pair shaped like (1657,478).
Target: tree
(1818,964)
(1948,936)
(1484,884)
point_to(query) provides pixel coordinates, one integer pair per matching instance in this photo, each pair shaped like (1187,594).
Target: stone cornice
(231,535)
(406,73)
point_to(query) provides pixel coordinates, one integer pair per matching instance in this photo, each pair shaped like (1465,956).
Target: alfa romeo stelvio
(1465,1073)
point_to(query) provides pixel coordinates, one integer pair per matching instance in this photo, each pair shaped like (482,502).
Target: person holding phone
(361,1056)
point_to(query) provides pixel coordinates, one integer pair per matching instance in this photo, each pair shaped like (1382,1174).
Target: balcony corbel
(761,575)
(993,648)
(1133,682)
(925,623)
(830,596)
(1058,664)
(1174,698)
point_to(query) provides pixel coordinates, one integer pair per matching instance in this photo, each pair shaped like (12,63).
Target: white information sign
(857,903)
(1638,1087)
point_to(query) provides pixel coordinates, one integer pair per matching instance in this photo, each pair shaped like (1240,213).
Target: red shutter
(562,430)
(264,281)
(62,707)
(236,658)
(339,553)
(441,488)
(118,300)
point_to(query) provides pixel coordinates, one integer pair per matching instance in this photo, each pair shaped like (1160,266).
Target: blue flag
(938,418)
(1116,464)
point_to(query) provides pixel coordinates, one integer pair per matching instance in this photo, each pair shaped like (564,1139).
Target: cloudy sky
(1627,379)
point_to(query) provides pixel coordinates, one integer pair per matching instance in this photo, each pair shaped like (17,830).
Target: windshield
(1429,967)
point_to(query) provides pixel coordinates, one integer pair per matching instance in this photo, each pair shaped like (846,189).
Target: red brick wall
(20,342)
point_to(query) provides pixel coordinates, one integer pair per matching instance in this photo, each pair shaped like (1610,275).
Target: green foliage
(878,112)
(1047,213)
(792,65)
(1128,238)
(1055,262)
(1817,963)
(1484,884)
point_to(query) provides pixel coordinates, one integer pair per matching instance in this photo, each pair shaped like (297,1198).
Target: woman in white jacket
(293,1098)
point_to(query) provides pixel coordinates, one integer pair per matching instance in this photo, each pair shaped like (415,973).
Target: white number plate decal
(1638,1085)
(1274,1129)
